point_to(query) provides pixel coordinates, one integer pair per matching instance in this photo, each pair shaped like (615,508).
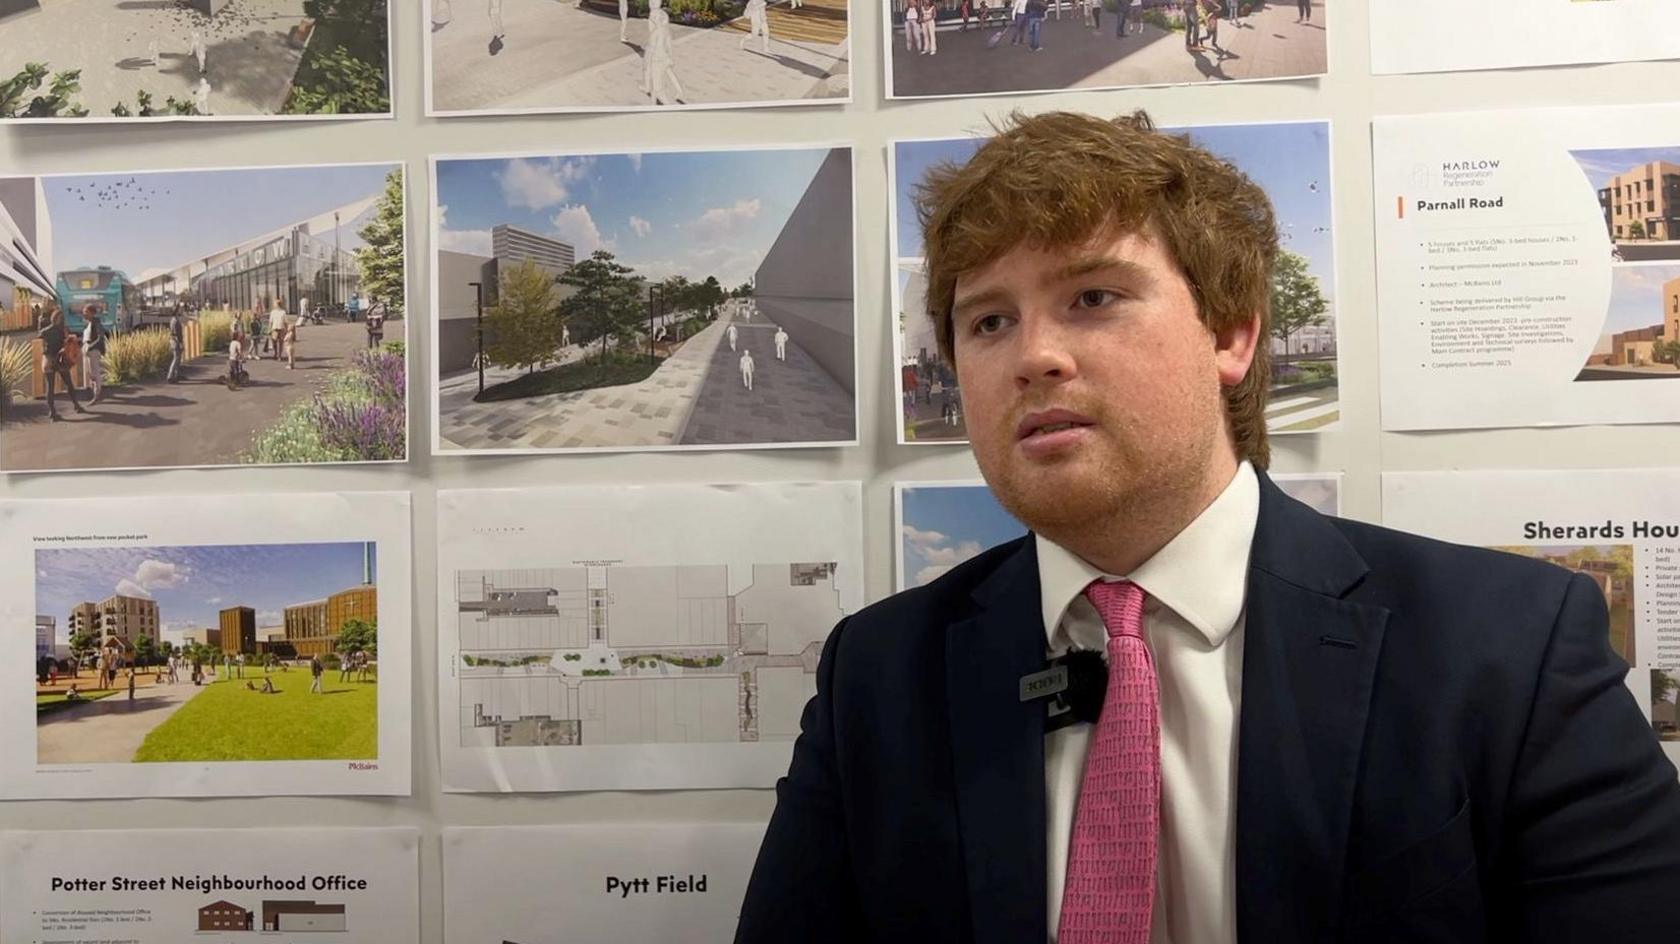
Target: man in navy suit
(1348,733)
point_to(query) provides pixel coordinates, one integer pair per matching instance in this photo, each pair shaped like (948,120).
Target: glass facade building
(294,267)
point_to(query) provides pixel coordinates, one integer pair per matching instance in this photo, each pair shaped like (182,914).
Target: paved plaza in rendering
(1269,43)
(196,422)
(695,397)
(251,52)
(559,55)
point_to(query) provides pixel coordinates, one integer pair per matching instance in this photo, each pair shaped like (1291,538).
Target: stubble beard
(1120,495)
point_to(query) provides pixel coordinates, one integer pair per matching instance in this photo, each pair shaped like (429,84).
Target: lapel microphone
(1072,688)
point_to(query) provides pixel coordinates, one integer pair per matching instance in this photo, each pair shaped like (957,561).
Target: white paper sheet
(216,886)
(659,637)
(1453,35)
(1620,527)
(627,883)
(1528,263)
(262,573)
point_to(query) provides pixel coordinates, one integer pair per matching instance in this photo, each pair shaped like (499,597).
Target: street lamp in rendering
(478,290)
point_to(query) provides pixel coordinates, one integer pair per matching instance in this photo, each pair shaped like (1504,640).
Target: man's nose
(1045,353)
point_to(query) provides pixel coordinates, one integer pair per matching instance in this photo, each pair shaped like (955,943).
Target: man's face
(1090,387)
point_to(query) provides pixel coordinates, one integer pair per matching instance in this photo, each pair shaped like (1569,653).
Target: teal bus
(109,290)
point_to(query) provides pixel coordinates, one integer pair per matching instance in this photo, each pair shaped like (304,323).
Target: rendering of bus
(117,299)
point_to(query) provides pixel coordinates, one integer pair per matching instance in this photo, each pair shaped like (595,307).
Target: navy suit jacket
(1434,745)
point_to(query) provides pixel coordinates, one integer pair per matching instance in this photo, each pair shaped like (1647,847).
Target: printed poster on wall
(636,638)
(227,316)
(1454,36)
(519,57)
(1528,267)
(1290,161)
(624,882)
(667,300)
(194,60)
(1621,528)
(207,645)
(997,47)
(216,886)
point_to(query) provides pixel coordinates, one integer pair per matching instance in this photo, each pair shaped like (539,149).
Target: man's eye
(1096,297)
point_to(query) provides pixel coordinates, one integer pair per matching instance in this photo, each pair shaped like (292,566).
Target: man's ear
(1234,350)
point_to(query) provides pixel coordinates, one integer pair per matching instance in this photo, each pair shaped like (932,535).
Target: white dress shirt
(1193,624)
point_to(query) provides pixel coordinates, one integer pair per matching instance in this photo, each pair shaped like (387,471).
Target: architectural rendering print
(1290,161)
(616,654)
(161,59)
(511,56)
(636,301)
(240,316)
(207,653)
(1640,339)
(989,47)
(1639,191)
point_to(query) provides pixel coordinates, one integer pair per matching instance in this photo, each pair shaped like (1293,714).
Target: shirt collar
(1201,574)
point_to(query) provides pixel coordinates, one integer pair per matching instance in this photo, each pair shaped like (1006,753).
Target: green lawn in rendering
(227,721)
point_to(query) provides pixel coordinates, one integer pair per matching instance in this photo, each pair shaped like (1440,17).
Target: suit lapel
(1309,660)
(998,752)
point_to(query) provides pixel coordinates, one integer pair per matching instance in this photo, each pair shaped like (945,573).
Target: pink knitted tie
(1110,888)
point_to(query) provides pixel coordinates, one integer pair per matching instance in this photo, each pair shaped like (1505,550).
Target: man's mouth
(1050,422)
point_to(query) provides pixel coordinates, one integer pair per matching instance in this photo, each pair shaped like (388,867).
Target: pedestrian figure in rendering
(152,54)
(291,343)
(315,670)
(660,68)
(498,30)
(376,325)
(912,27)
(732,335)
(277,328)
(1192,24)
(757,25)
(1211,12)
(93,353)
(565,336)
(201,96)
(131,685)
(930,18)
(1035,23)
(1018,17)
(1303,10)
(781,343)
(442,14)
(623,21)
(200,52)
(746,369)
(55,361)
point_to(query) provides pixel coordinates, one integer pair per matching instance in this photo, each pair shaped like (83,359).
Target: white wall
(1349,98)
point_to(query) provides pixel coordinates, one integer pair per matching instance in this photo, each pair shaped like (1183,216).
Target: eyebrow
(1079,266)
(1085,265)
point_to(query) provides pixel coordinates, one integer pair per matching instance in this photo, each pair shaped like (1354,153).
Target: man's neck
(1120,543)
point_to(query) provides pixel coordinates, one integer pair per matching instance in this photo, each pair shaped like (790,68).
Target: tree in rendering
(381,259)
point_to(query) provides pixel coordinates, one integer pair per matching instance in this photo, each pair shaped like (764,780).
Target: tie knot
(1120,604)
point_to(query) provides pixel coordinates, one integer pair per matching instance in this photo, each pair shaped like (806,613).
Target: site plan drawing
(680,654)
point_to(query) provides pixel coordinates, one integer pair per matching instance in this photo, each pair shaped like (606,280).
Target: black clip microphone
(1074,686)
